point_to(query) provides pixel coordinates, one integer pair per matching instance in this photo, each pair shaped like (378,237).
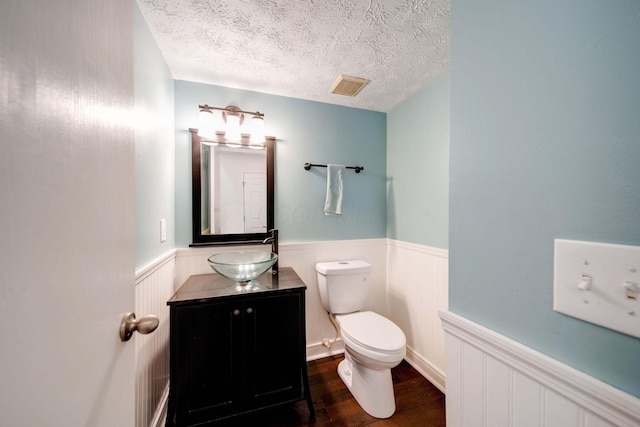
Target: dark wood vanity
(236,349)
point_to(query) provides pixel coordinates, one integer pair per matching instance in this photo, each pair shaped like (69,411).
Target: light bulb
(206,127)
(257,131)
(232,132)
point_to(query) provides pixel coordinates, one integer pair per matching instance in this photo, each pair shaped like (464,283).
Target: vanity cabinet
(235,350)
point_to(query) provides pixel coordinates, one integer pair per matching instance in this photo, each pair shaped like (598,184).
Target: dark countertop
(204,287)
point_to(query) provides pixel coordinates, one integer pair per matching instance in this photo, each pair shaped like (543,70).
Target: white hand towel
(333,203)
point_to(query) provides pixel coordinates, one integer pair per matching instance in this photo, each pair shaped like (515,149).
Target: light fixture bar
(230,126)
(231,108)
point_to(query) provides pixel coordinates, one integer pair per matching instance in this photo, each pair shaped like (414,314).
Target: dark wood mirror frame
(200,239)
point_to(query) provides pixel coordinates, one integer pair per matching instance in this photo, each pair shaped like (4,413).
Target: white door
(67,255)
(255,202)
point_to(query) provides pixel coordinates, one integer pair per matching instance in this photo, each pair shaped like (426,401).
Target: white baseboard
(319,351)
(160,417)
(426,369)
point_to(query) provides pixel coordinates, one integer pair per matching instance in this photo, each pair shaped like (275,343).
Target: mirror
(232,192)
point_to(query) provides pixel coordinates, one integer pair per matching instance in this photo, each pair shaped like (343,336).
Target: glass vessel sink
(242,266)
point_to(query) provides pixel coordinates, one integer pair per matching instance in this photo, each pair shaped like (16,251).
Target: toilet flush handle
(144,325)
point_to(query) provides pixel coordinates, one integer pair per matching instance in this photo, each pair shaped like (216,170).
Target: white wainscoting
(191,261)
(493,381)
(409,285)
(154,286)
(417,289)
(302,257)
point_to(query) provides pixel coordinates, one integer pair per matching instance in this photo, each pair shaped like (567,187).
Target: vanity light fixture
(229,126)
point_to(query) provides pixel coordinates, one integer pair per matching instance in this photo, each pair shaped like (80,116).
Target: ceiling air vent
(348,86)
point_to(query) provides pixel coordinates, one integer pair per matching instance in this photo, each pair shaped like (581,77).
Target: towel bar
(308,166)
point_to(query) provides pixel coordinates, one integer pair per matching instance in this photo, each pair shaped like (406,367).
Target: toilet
(373,344)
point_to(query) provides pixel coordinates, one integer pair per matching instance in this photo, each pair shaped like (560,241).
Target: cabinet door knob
(236,312)
(249,310)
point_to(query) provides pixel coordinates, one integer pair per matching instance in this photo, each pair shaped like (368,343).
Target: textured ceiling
(297,48)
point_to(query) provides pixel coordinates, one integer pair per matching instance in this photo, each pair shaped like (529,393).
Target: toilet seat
(373,336)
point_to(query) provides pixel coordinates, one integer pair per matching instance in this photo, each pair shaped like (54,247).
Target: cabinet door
(274,349)
(207,361)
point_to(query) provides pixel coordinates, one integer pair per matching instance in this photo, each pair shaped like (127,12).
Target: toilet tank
(343,285)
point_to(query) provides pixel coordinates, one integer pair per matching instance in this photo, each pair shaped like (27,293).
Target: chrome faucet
(273,239)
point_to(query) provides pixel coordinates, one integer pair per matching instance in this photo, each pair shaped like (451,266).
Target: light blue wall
(545,143)
(418,167)
(306,131)
(154,146)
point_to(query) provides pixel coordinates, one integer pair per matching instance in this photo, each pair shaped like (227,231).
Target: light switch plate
(163,230)
(604,300)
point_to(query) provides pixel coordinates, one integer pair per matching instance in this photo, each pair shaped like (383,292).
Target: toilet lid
(370,330)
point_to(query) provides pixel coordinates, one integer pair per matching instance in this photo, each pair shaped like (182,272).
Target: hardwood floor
(418,402)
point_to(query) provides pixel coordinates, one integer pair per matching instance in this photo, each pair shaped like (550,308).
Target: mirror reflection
(233,190)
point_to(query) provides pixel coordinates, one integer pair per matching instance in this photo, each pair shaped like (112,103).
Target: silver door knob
(144,325)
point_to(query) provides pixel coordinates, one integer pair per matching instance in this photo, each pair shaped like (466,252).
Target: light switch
(598,283)
(163,230)
(585,282)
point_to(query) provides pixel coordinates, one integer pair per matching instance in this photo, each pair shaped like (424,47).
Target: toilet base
(372,389)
